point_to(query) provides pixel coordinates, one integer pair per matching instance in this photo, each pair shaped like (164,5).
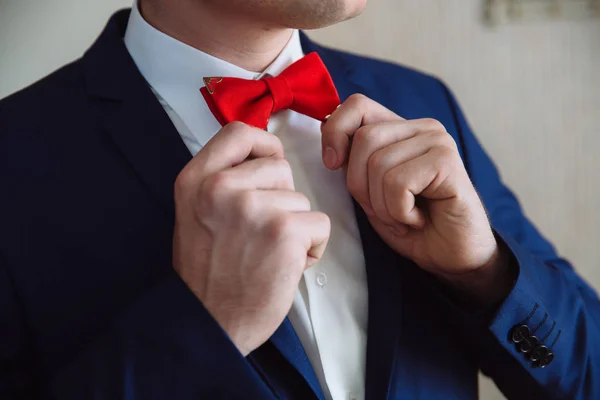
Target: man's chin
(342,11)
(358,7)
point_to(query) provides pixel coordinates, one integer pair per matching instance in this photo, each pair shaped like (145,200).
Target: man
(188,214)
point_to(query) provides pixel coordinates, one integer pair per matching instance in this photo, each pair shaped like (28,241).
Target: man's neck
(248,44)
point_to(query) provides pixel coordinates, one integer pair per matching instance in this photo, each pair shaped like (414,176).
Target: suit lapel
(384,267)
(132,116)
(385,282)
(289,345)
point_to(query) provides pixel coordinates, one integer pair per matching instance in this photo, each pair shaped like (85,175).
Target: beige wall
(532,92)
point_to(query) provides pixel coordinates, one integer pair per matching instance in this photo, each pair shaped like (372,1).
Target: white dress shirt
(329,313)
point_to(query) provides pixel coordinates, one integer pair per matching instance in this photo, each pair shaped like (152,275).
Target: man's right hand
(243,236)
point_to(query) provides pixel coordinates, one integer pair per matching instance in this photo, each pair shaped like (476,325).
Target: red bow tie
(305,87)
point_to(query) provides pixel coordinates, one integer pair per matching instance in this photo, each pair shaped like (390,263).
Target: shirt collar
(163,60)
(291,53)
(175,72)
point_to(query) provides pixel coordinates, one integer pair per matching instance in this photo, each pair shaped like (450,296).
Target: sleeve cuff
(525,305)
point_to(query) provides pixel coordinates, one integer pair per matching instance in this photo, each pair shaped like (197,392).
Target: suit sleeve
(164,346)
(549,298)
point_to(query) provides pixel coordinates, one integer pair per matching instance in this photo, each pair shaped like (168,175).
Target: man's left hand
(409,178)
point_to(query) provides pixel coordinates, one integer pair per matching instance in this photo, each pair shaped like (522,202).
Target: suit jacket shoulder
(37,118)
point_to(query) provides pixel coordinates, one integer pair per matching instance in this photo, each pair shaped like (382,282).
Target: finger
(260,173)
(389,157)
(371,138)
(259,202)
(315,228)
(231,146)
(426,176)
(402,185)
(355,112)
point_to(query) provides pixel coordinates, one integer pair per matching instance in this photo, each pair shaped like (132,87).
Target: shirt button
(321,279)
(352,396)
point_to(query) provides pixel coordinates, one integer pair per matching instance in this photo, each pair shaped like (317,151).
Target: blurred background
(527,78)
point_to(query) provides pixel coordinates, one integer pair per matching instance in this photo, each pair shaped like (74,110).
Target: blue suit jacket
(90,307)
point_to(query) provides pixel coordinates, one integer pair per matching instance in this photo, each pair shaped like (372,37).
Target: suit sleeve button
(520,333)
(544,362)
(527,345)
(539,353)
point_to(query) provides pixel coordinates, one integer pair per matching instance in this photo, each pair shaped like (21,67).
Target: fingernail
(330,158)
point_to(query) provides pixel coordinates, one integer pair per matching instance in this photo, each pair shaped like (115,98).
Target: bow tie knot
(282,94)
(305,87)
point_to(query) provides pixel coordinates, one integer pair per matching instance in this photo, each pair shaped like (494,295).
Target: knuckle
(278,143)
(367,133)
(442,134)
(326,221)
(306,206)
(284,168)
(445,156)
(440,138)
(212,188)
(434,124)
(376,161)
(435,132)
(280,227)
(434,135)
(357,99)
(216,183)
(258,135)
(239,133)
(445,152)
(247,203)
(450,142)
(236,127)
(185,181)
